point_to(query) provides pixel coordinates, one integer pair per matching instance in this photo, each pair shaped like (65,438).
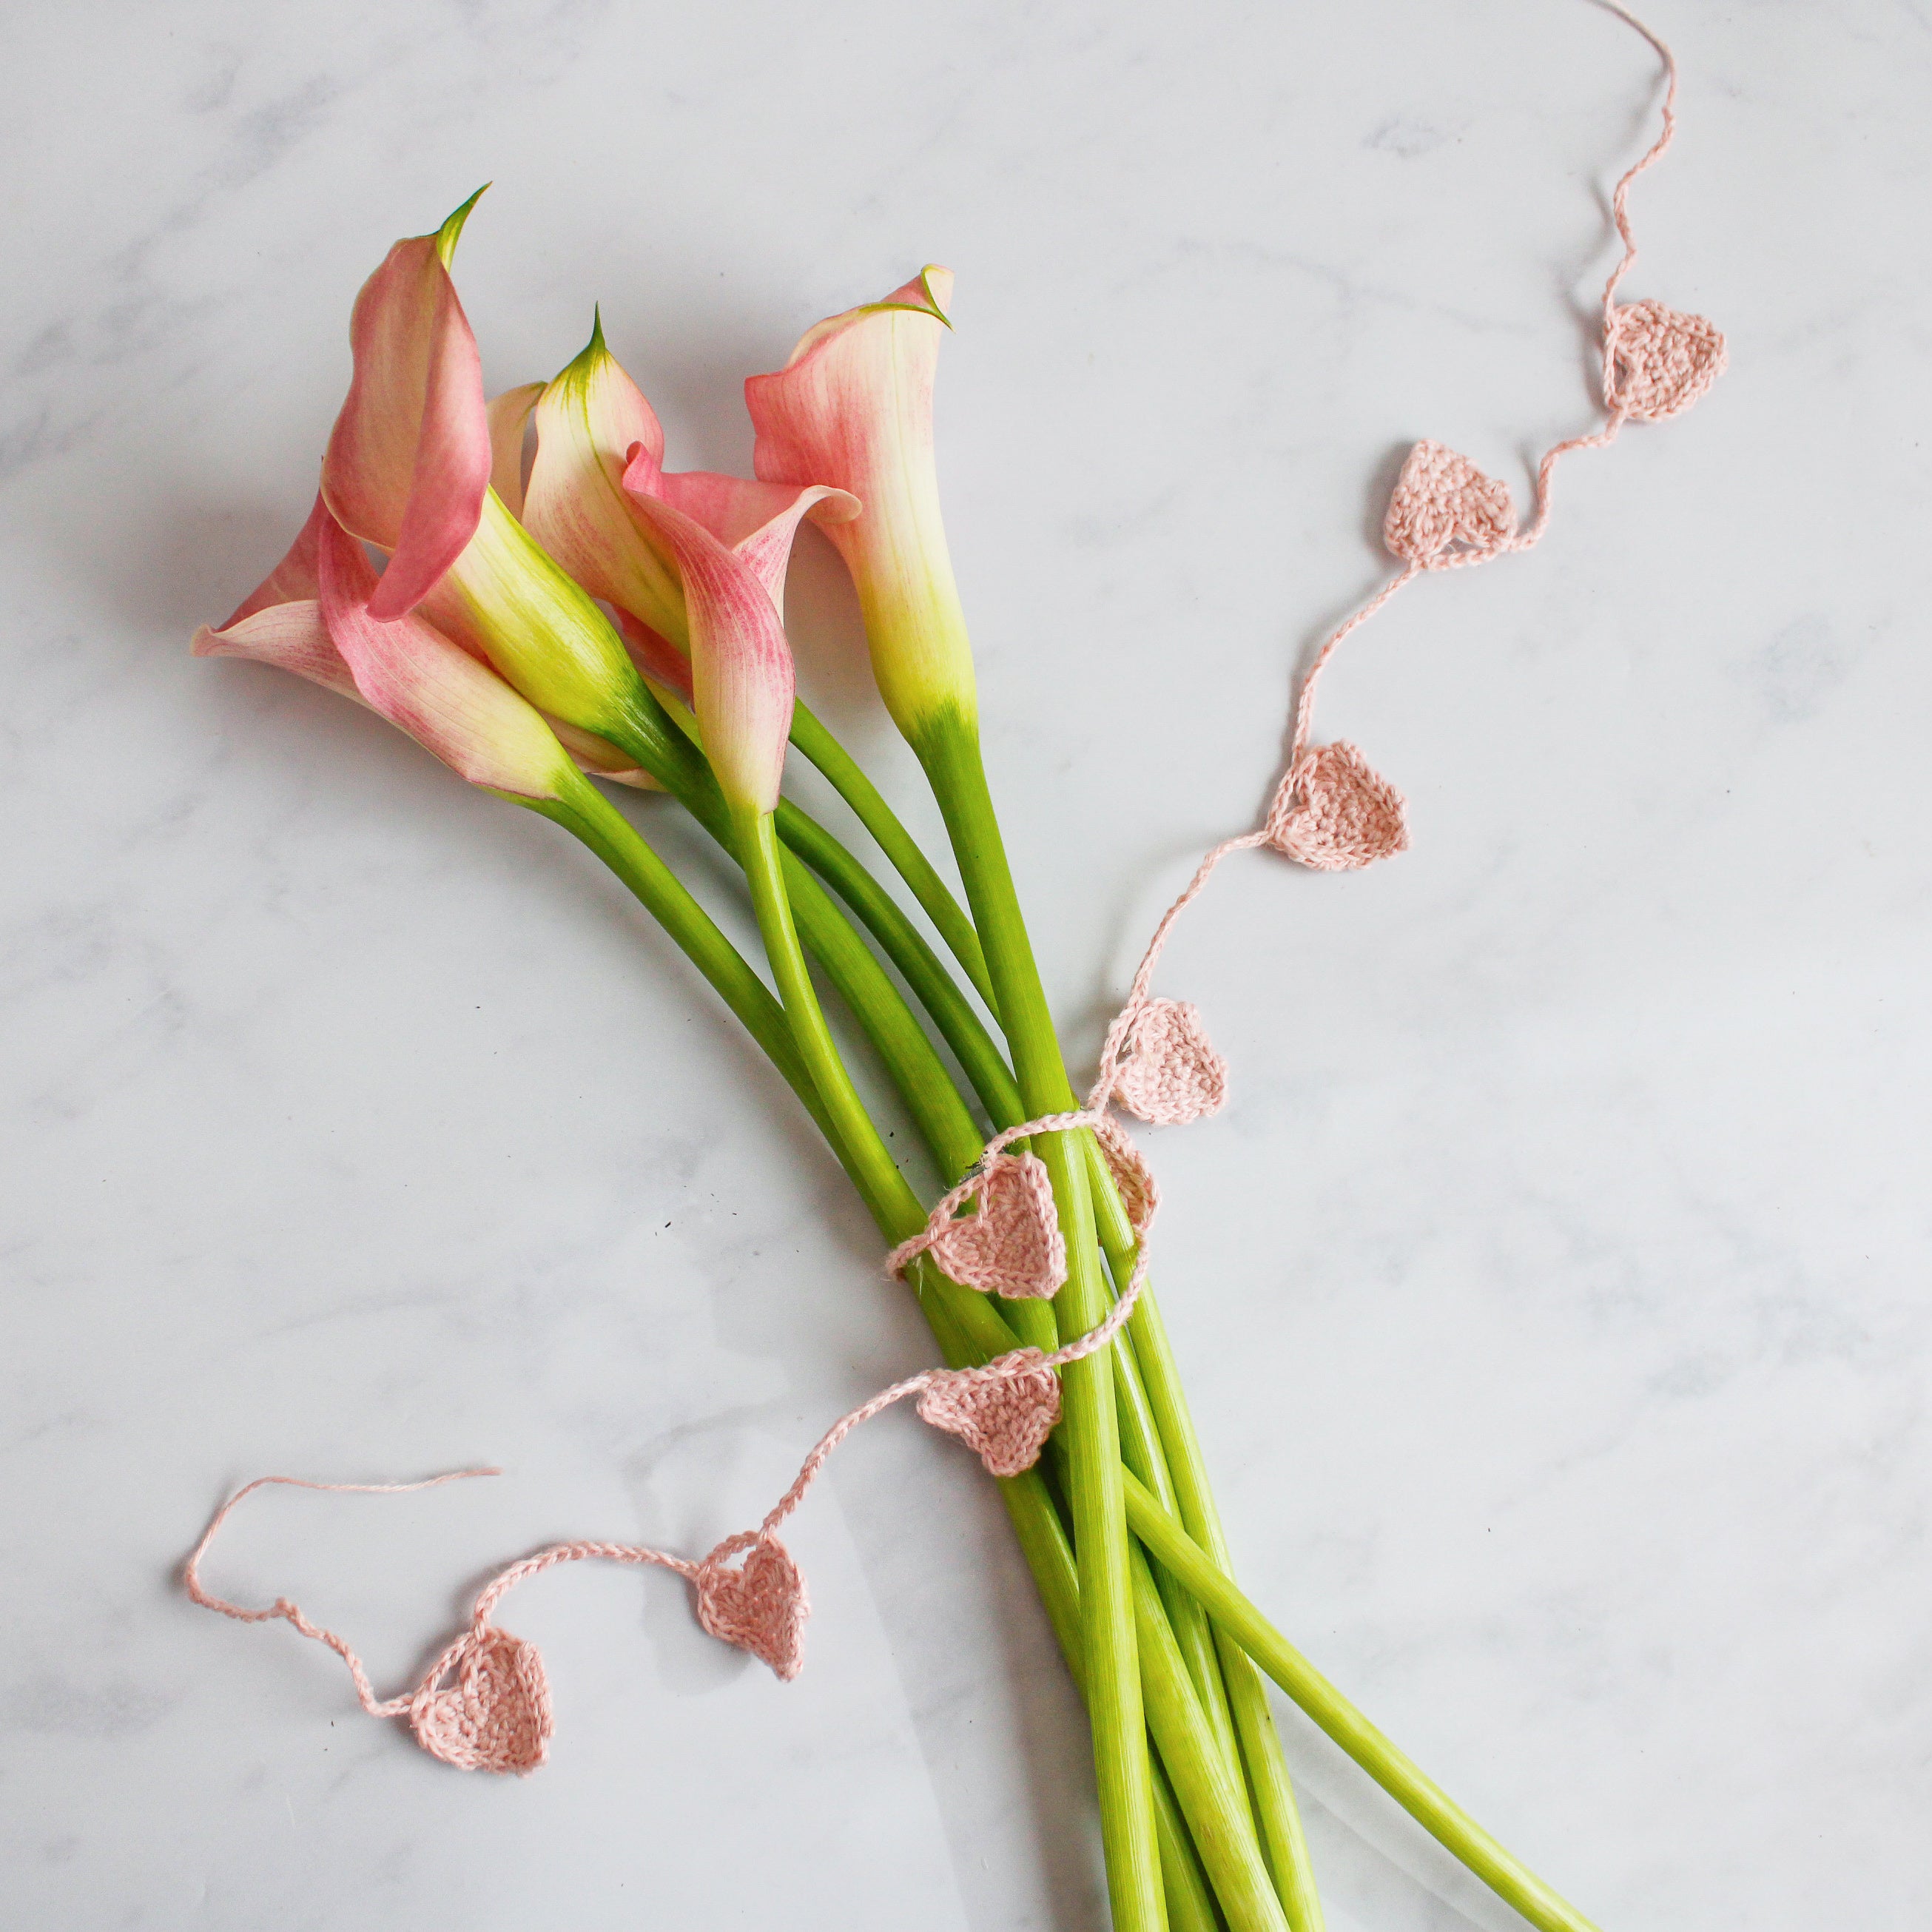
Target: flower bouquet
(555,612)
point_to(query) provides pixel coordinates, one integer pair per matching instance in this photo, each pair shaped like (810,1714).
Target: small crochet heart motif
(1336,813)
(496,1716)
(1005,1419)
(760,1606)
(1172,1074)
(1444,511)
(1661,360)
(1131,1175)
(1010,1244)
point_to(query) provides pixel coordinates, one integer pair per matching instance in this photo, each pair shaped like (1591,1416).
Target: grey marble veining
(1553,1290)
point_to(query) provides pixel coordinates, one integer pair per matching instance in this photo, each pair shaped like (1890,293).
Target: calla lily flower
(314,615)
(408,460)
(600,464)
(742,682)
(410,469)
(854,408)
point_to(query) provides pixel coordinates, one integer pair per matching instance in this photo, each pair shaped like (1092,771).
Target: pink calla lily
(409,469)
(742,685)
(600,455)
(408,460)
(854,408)
(591,421)
(406,670)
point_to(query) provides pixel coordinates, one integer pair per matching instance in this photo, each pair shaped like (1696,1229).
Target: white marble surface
(1554,1292)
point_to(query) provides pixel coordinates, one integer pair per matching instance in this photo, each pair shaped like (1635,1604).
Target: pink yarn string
(290,1612)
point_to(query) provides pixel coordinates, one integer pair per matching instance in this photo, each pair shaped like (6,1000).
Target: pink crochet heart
(1010,1244)
(1004,1419)
(1442,499)
(1336,813)
(496,1715)
(1172,1074)
(1661,360)
(760,1606)
(1131,1175)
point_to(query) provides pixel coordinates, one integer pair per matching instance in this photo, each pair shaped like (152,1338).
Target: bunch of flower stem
(1202,1647)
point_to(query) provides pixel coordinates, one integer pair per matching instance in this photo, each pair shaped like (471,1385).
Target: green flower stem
(1193,1630)
(869,807)
(932,985)
(955,1139)
(585,812)
(1168,1543)
(1043,1541)
(1276,1811)
(1259,1744)
(949,750)
(959,1026)
(758,843)
(1206,1778)
(970,1327)
(1208,1786)
(942,1117)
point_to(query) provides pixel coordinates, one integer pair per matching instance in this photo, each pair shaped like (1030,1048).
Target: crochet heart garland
(1004,1419)
(485,1703)
(1337,814)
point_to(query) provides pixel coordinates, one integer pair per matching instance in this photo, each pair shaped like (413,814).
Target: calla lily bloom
(854,408)
(408,460)
(742,681)
(600,453)
(314,615)
(410,469)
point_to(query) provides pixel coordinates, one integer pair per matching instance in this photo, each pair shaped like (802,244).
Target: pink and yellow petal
(408,460)
(509,417)
(742,685)
(853,409)
(291,636)
(759,520)
(593,424)
(430,687)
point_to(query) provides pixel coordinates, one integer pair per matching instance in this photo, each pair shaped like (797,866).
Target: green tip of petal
(583,364)
(451,230)
(929,304)
(925,275)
